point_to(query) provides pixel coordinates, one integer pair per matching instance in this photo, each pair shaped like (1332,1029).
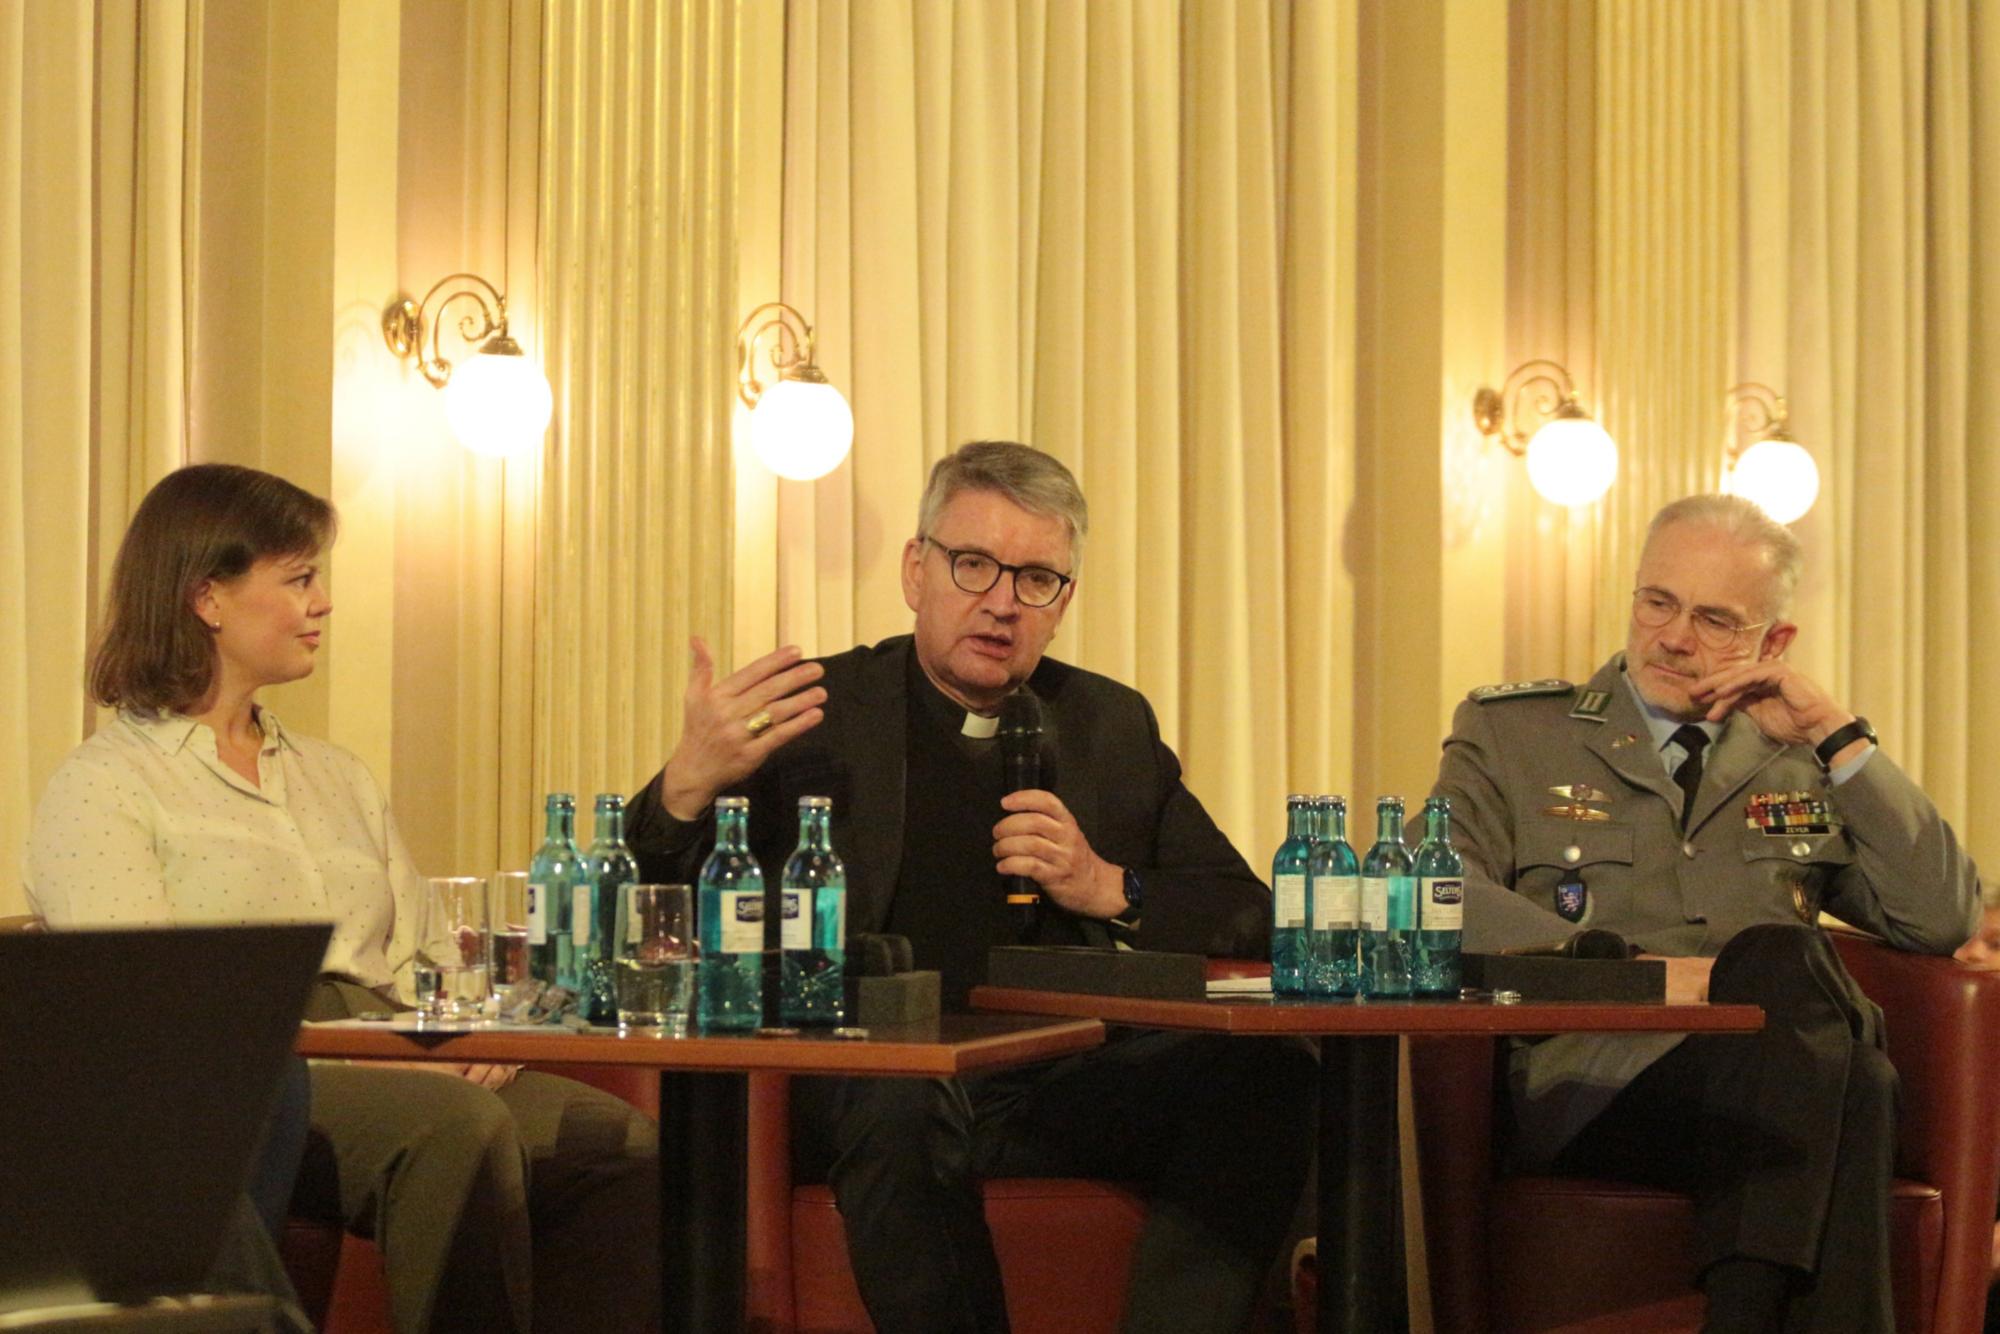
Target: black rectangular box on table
(899,998)
(1078,968)
(1549,979)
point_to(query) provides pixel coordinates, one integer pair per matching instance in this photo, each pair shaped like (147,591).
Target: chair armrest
(1942,1021)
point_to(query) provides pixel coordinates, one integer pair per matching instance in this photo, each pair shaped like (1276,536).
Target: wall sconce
(1571,460)
(497,400)
(1771,469)
(800,426)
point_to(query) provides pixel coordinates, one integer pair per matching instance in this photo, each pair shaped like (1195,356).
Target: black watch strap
(1135,892)
(1841,739)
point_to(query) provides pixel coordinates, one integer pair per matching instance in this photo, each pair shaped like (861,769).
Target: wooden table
(704,1089)
(1359,1276)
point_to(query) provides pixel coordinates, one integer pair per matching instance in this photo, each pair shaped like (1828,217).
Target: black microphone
(1021,759)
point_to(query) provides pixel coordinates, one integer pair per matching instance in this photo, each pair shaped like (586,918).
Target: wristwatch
(1135,893)
(1840,739)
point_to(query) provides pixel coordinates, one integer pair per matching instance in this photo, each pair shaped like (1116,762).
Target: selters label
(1374,903)
(1441,903)
(796,928)
(579,916)
(1290,894)
(742,921)
(1336,902)
(538,914)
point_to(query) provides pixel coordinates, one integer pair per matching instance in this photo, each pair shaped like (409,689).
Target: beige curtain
(1123,232)
(1667,91)
(45,271)
(90,346)
(637,267)
(1884,175)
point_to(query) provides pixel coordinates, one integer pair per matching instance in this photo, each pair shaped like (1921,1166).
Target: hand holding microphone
(1038,845)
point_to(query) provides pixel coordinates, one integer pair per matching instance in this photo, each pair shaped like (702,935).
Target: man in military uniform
(1704,800)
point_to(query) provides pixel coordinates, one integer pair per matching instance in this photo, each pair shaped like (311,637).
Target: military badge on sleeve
(1572,900)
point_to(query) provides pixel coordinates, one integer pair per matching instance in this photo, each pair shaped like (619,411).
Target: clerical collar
(947,712)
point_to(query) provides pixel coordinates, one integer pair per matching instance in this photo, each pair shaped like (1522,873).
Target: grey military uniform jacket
(1881,859)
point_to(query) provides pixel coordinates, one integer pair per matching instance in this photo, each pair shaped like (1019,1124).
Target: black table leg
(702,1186)
(1359,1280)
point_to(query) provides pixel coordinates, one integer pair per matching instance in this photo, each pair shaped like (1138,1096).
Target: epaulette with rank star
(1521,690)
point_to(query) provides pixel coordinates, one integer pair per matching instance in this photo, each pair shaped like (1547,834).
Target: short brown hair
(1035,481)
(208,521)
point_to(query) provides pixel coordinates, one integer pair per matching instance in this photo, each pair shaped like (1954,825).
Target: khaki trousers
(535,1206)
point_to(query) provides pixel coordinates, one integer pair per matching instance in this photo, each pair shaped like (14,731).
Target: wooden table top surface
(952,1045)
(1444,1017)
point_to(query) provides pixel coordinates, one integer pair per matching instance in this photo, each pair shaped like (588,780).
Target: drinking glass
(654,949)
(507,912)
(450,970)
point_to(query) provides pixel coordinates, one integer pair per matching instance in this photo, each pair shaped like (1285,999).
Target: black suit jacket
(1112,770)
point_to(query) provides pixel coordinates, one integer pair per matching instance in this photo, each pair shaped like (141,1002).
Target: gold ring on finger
(758,723)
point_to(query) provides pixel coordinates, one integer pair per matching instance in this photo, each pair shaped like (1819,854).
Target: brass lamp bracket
(405,323)
(1497,412)
(789,340)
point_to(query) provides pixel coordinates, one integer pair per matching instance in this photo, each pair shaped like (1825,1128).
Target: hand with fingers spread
(1787,706)
(729,727)
(1041,840)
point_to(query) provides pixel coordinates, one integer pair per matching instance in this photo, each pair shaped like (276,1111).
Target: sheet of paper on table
(410,1023)
(1239,986)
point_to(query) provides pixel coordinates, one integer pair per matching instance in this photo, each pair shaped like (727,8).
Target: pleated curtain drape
(1122,232)
(92,348)
(1667,180)
(637,318)
(1804,194)
(1883,179)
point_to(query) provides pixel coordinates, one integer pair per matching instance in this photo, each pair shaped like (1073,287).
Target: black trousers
(1216,1130)
(1786,1137)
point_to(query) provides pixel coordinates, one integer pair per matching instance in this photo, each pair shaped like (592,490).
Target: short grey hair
(1745,521)
(1035,481)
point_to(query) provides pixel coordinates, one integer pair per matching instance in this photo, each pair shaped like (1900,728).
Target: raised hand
(729,727)
(1041,840)
(1786,705)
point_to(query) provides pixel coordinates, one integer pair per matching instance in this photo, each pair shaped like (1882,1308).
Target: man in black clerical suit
(902,737)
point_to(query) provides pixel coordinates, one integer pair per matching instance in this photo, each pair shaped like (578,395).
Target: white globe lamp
(1571,459)
(1779,475)
(801,427)
(498,401)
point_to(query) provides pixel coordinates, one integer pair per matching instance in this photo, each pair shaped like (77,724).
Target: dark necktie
(1692,740)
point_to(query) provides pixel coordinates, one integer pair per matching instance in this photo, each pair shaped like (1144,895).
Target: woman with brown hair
(496,1197)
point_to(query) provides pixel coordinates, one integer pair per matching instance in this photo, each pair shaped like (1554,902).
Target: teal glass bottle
(730,913)
(1440,904)
(1290,913)
(607,864)
(812,907)
(1336,906)
(1388,905)
(553,878)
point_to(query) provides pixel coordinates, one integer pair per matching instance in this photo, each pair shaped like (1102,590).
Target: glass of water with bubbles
(654,951)
(450,970)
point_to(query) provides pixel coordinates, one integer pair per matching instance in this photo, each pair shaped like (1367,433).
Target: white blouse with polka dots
(144,824)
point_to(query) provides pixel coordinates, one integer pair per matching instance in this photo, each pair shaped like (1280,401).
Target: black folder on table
(137,1071)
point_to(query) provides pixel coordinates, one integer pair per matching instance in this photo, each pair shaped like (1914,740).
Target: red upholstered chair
(339,1278)
(1536,1253)
(1065,1246)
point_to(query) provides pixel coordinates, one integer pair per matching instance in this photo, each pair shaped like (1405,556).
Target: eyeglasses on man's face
(977,572)
(1655,608)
